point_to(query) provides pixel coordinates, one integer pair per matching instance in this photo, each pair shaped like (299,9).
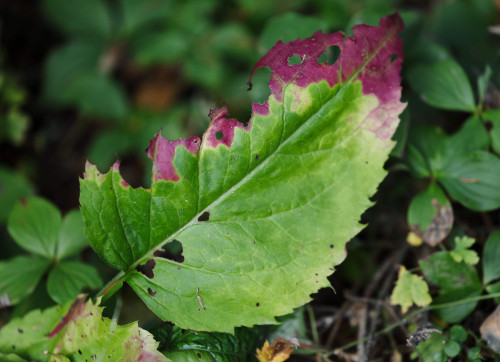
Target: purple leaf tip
(162,151)
(221,129)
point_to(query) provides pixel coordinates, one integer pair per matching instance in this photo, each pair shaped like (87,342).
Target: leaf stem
(111,287)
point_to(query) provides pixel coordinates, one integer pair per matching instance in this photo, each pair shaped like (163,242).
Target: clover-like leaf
(262,209)
(76,331)
(410,289)
(461,252)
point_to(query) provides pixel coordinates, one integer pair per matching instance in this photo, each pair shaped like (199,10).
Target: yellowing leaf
(279,351)
(410,289)
(413,239)
(461,253)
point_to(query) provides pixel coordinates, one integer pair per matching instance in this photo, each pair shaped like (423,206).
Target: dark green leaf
(160,47)
(443,85)
(13,186)
(493,117)
(482,83)
(87,19)
(457,281)
(432,348)
(68,278)
(430,215)
(452,349)
(458,333)
(96,94)
(34,224)
(19,277)
(137,15)
(491,257)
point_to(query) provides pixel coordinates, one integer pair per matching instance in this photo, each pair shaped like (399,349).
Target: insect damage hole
(330,55)
(219,135)
(204,217)
(296,59)
(147,269)
(151,292)
(171,251)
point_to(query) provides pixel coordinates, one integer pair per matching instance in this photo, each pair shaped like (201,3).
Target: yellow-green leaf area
(410,289)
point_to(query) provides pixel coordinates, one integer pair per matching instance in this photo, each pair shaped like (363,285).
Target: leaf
(461,253)
(67,279)
(72,239)
(279,351)
(96,94)
(430,215)
(482,83)
(19,277)
(490,330)
(432,348)
(493,117)
(262,210)
(140,14)
(410,289)
(458,333)
(34,224)
(12,187)
(443,85)
(185,345)
(491,256)
(76,331)
(457,281)
(87,19)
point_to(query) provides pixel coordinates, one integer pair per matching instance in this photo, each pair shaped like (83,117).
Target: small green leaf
(76,331)
(19,277)
(460,253)
(482,83)
(493,117)
(67,279)
(139,14)
(457,281)
(432,348)
(96,94)
(12,187)
(443,85)
(34,224)
(161,47)
(72,239)
(86,19)
(430,215)
(452,349)
(410,289)
(491,256)
(458,333)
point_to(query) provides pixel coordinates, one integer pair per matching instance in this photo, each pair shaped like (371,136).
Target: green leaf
(452,349)
(458,333)
(34,224)
(493,117)
(460,253)
(185,345)
(87,19)
(65,64)
(410,289)
(139,14)
(76,331)
(96,94)
(19,277)
(457,281)
(161,47)
(13,186)
(443,85)
(68,278)
(430,215)
(72,239)
(491,256)
(255,206)
(482,83)
(432,348)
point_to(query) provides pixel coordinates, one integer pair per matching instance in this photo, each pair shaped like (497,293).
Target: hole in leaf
(260,85)
(296,59)
(257,157)
(151,292)
(198,354)
(330,55)
(204,217)
(488,125)
(171,251)
(393,57)
(20,331)
(219,135)
(257,304)
(331,246)
(147,269)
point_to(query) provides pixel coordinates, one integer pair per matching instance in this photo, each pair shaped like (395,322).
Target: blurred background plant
(96,79)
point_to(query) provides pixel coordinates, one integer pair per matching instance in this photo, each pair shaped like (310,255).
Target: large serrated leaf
(262,210)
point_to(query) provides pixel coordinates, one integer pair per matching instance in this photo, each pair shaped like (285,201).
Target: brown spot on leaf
(439,227)
(204,217)
(280,350)
(151,292)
